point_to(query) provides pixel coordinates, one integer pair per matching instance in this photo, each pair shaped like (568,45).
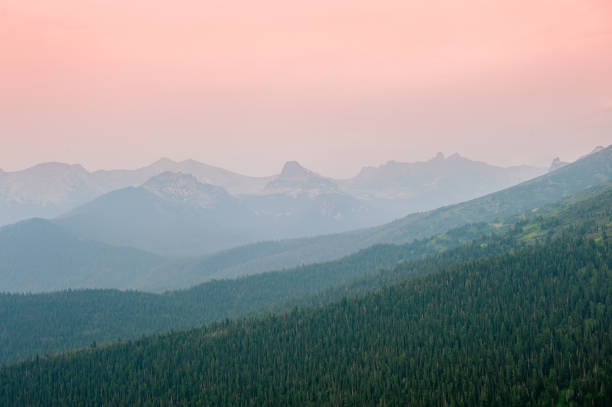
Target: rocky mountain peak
(181,187)
(556,164)
(293,169)
(295,180)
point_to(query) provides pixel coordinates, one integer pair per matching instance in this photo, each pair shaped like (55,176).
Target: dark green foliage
(47,323)
(525,328)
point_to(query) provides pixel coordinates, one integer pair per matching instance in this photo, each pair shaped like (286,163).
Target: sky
(335,84)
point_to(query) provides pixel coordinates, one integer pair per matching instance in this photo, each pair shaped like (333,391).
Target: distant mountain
(393,190)
(175,214)
(38,255)
(437,182)
(296,203)
(170,214)
(587,172)
(296,180)
(50,189)
(45,190)
(556,164)
(185,188)
(204,173)
(42,323)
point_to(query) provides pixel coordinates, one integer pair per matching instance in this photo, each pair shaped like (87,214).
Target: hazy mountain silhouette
(38,255)
(436,182)
(589,171)
(50,189)
(295,180)
(392,190)
(170,214)
(556,164)
(175,212)
(45,190)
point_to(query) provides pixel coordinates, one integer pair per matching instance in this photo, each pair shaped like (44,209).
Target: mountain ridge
(50,189)
(129,314)
(587,172)
(161,224)
(539,314)
(39,255)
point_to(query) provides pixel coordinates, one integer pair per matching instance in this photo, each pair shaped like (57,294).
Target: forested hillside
(528,327)
(35,324)
(46,323)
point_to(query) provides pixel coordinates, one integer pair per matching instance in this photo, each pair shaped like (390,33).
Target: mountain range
(589,171)
(175,211)
(174,214)
(499,300)
(50,189)
(394,189)
(61,320)
(517,319)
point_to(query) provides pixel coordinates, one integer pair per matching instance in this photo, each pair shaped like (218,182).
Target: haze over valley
(322,203)
(174,231)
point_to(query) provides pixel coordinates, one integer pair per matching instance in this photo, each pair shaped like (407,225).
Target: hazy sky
(335,84)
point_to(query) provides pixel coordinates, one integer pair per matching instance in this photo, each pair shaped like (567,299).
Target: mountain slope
(589,171)
(528,328)
(295,180)
(38,324)
(38,255)
(175,214)
(164,219)
(47,190)
(204,173)
(50,189)
(158,219)
(437,182)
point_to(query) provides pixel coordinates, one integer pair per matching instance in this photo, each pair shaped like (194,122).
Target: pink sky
(334,84)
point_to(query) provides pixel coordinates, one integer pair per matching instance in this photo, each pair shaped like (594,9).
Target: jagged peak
(556,164)
(438,157)
(441,157)
(171,176)
(171,180)
(293,169)
(180,186)
(295,179)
